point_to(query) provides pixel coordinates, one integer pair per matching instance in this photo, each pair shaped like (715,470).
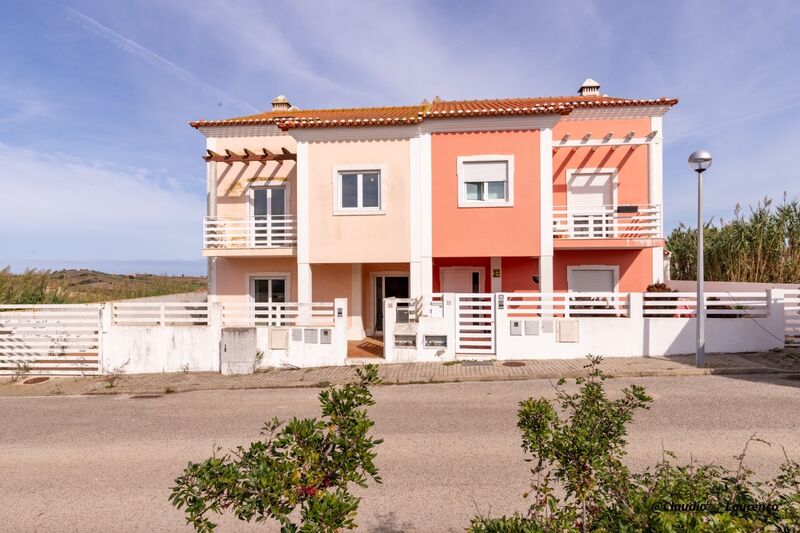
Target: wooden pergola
(249,156)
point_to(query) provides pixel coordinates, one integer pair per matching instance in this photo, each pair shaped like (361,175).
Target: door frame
(371,309)
(251,203)
(572,268)
(612,172)
(252,277)
(481,276)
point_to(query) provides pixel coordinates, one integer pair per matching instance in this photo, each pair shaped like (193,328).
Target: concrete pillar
(546,274)
(497,281)
(340,330)
(356,329)
(546,213)
(304,294)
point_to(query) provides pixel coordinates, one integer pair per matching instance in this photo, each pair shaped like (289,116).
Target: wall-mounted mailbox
(324,336)
(401,316)
(532,327)
(516,327)
(567,331)
(310,336)
(279,339)
(405,341)
(547,326)
(297,335)
(435,341)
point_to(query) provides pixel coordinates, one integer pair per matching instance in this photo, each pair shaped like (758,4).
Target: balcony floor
(605,244)
(250,252)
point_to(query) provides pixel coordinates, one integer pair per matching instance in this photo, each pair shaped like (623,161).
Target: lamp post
(699,161)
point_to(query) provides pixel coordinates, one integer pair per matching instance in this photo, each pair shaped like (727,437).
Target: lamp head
(700,160)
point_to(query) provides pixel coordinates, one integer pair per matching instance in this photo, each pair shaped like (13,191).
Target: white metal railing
(49,339)
(717,304)
(566,304)
(791,310)
(274,231)
(278,314)
(159,314)
(607,222)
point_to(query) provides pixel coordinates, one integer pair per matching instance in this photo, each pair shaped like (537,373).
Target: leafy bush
(307,464)
(577,443)
(762,247)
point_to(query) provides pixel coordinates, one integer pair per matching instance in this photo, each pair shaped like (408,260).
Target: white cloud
(59,206)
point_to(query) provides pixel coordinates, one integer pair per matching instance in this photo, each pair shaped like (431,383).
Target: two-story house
(543,194)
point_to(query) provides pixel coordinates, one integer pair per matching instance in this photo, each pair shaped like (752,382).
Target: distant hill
(85,286)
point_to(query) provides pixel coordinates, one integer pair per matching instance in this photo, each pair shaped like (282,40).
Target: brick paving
(786,361)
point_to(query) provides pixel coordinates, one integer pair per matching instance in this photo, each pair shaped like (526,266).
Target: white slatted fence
(159,313)
(278,314)
(717,304)
(565,305)
(49,339)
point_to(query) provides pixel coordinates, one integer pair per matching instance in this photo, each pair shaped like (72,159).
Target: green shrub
(307,464)
(762,247)
(577,443)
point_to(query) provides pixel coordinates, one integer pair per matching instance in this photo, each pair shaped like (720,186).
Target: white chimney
(589,88)
(280,103)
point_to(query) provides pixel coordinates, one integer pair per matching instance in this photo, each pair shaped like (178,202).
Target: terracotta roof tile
(400,115)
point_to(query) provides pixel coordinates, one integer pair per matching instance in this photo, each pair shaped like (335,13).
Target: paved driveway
(106,463)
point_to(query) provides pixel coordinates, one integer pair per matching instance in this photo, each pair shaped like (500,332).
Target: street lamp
(699,161)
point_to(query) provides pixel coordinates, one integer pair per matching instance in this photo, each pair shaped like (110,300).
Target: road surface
(106,463)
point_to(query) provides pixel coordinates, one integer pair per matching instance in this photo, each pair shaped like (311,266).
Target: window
(358,191)
(486,181)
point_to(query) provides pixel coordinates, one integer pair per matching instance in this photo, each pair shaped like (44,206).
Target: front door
(269,212)
(387,287)
(461,280)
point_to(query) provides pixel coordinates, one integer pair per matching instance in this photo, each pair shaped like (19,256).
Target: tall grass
(32,287)
(85,286)
(761,246)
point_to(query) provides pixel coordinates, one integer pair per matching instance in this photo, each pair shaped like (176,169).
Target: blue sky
(97,162)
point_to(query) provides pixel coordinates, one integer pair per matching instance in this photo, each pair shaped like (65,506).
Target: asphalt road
(106,463)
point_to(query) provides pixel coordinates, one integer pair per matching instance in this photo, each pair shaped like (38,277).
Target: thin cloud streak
(163,64)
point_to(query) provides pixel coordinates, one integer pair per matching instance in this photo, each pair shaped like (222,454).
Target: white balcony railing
(275,231)
(607,222)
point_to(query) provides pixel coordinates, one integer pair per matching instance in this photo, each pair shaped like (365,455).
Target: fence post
(776,317)
(389,320)
(215,334)
(340,328)
(636,305)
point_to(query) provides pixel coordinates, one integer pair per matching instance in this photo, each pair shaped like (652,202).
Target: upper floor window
(486,181)
(358,191)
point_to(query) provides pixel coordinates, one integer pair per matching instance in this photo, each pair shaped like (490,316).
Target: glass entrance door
(269,212)
(387,287)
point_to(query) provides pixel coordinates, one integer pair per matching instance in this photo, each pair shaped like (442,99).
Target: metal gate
(49,339)
(475,323)
(791,310)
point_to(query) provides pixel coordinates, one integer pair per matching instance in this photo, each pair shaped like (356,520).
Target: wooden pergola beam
(249,155)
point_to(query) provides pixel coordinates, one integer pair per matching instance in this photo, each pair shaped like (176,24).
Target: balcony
(621,226)
(273,235)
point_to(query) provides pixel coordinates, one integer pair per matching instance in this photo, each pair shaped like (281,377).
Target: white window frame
(251,191)
(613,172)
(360,168)
(251,285)
(462,187)
(571,269)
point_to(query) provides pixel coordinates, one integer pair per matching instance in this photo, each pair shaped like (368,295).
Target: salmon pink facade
(512,195)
